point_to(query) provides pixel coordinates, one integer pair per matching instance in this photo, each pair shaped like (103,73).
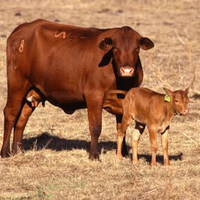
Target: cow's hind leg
(11,113)
(33,99)
(26,111)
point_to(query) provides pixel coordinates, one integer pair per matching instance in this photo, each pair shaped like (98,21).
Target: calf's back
(145,105)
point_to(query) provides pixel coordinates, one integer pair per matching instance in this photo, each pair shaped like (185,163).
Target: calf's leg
(164,139)
(139,129)
(113,105)
(154,144)
(126,120)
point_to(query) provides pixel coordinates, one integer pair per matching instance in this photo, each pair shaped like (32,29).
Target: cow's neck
(125,83)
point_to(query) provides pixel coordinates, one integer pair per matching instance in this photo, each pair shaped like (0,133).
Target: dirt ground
(55,163)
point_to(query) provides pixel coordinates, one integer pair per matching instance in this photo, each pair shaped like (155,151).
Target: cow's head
(125,46)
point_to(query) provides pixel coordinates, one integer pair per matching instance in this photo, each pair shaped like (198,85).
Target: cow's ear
(106,44)
(146,43)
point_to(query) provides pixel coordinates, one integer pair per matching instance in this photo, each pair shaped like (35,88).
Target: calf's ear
(106,44)
(169,92)
(146,43)
(186,90)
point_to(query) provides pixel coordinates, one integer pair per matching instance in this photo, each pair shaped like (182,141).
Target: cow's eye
(137,49)
(115,49)
(176,100)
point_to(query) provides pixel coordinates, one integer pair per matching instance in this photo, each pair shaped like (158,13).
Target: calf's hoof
(153,164)
(119,157)
(135,162)
(166,163)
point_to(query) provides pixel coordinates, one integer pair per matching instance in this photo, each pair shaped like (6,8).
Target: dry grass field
(55,163)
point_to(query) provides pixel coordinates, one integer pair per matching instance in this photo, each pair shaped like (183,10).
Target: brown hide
(69,66)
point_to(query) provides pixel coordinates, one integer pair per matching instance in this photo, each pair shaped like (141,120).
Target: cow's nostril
(126,71)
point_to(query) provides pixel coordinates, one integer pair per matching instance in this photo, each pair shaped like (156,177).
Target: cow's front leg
(94,107)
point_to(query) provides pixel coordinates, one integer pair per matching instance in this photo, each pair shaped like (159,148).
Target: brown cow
(71,67)
(151,109)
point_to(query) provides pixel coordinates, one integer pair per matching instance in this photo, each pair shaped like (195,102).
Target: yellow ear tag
(167,98)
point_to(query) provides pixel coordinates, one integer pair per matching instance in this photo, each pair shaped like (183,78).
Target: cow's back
(59,59)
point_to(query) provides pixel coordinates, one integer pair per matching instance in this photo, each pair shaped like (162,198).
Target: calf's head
(179,100)
(125,46)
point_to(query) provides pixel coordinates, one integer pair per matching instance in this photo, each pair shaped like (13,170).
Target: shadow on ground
(48,141)
(159,158)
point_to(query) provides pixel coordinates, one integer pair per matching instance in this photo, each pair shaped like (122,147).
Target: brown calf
(154,110)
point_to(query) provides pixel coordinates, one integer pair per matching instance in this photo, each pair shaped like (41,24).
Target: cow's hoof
(94,156)
(5,154)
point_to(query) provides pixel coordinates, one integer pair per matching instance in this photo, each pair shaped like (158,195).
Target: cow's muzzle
(126,71)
